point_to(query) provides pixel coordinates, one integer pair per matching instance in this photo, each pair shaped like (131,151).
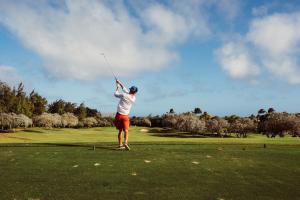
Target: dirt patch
(144,130)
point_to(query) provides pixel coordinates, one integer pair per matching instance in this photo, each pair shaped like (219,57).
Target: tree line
(15,100)
(196,122)
(17,109)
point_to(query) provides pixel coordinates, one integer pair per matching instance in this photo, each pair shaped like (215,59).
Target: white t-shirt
(126,101)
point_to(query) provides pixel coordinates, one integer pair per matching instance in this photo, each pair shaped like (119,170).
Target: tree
(92,112)
(39,103)
(22,104)
(57,106)
(7,98)
(280,124)
(70,107)
(81,112)
(242,126)
(217,125)
(197,111)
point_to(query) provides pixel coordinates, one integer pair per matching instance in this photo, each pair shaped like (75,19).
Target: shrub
(242,126)
(22,120)
(190,123)
(169,120)
(217,125)
(280,124)
(156,121)
(108,121)
(48,120)
(6,121)
(185,122)
(89,122)
(69,120)
(12,120)
(103,122)
(140,121)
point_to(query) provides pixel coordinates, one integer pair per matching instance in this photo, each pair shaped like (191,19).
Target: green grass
(39,164)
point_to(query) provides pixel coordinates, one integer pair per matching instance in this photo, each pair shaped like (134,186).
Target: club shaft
(109,66)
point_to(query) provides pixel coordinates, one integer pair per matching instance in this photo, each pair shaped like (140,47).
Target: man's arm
(117,93)
(122,86)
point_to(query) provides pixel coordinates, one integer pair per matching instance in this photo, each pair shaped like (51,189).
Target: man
(127,98)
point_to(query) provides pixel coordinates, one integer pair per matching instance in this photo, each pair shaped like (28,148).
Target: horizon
(226,57)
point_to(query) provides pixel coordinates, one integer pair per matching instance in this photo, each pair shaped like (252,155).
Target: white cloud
(69,37)
(277,37)
(276,34)
(274,40)
(236,61)
(9,75)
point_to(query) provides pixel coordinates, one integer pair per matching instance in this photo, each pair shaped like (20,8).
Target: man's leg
(120,137)
(126,139)
(126,136)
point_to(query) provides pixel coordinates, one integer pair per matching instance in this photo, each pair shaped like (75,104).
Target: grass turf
(179,168)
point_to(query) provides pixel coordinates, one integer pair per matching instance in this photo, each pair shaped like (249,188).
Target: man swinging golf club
(127,98)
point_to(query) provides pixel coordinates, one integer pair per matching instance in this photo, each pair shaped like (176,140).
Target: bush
(89,122)
(103,122)
(22,121)
(185,122)
(48,120)
(190,123)
(169,120)
(217,125)
(12,120)
(156,121)
(242,126)
(6,121)
(140,121)
(281,124)
(69,120)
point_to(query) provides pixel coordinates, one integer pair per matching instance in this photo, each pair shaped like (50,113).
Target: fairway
(62,164)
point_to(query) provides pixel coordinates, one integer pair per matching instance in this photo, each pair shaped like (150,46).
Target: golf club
(109,66)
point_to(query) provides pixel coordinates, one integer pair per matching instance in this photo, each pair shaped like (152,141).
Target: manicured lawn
(61,164)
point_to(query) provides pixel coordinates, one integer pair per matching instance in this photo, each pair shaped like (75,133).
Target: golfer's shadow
(111,148)
(89,146)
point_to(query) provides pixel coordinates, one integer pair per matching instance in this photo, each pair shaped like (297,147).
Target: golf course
(40,163)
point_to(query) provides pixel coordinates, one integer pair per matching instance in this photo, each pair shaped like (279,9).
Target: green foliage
(81,112)
(57,106)
(38,103)
(7,98)
(15,100)
(70,107)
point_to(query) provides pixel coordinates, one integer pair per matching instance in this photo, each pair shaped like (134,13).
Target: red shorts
(122,122)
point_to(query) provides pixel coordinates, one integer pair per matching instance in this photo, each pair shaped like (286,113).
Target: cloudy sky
(224,56)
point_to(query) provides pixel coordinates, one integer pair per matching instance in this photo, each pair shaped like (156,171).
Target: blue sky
(224,56)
